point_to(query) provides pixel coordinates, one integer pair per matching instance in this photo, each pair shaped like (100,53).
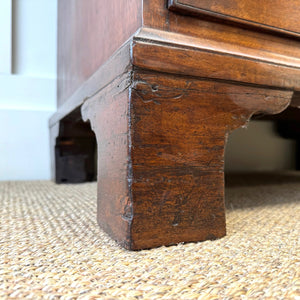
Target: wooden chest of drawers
(162,83)
(273,15)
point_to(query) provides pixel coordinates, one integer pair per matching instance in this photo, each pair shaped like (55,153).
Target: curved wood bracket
(161,142)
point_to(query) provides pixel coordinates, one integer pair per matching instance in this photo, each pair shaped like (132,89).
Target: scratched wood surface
(162,114)
(108,112)
(89,32)
(222,45)
(161,162)
(157,15)
(268,14)
(152,50)
(178,140)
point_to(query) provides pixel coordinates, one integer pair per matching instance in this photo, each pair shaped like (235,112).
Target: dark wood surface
(161,107)
(108,112)
(156,15)
(178,140)
(89,32)
(161,161)
(117,64)
(274,15)
(176,53)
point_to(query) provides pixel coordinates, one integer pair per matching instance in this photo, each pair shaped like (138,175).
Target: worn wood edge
(270,101)
(89,112)
(160,51)
(118,64)
(127,82)
(114,77)
(116,86)
(181,40)
(176,6)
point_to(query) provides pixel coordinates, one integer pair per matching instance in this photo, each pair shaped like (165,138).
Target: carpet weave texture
(52,248)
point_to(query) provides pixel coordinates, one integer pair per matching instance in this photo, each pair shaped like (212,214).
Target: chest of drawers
(162,83)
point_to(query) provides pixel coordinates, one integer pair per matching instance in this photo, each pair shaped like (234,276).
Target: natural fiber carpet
(52,248)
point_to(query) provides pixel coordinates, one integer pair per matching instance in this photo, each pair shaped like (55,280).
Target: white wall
(27,89)
(34,37)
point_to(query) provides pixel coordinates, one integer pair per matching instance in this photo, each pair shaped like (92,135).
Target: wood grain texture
(255,49)
(89,32)
(175,53)
(108,112)
(156,15)
(161,109)
(161,154)
(118,64)
(178,140)
(274,15)
(235,46)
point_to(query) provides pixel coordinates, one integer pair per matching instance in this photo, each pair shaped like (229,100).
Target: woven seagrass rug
(52,248)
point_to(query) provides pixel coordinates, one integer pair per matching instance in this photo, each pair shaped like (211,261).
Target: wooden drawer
(276,15)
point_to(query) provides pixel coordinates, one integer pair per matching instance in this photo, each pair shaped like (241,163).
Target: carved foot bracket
(161,142)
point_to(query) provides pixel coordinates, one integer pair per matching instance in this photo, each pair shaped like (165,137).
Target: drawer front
(276,15)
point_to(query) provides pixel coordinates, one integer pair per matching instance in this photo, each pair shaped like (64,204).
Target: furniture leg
(161,142)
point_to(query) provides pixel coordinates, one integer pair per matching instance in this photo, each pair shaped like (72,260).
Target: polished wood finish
(266,14)
(161,161)
(175,53)
(86,27)
(156,15)
(118,63)
(161,106)
(112,133)
(83,26)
